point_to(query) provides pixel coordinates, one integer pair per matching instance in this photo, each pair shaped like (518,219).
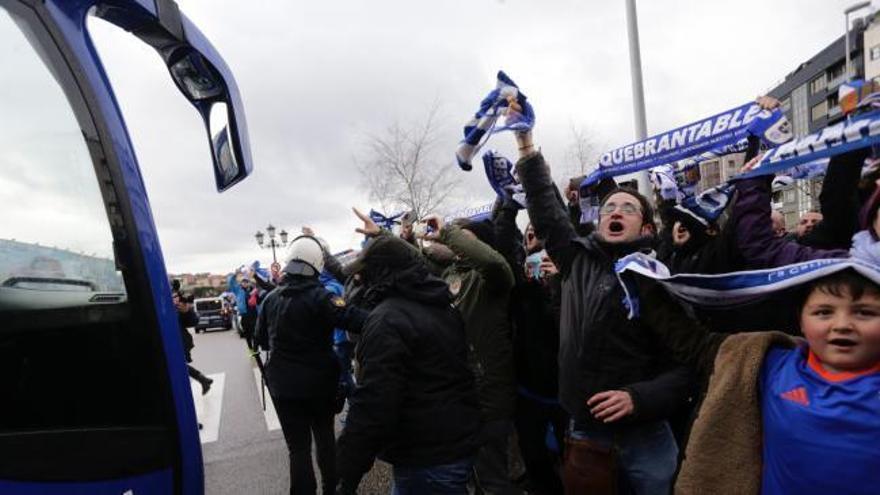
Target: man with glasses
(615,382)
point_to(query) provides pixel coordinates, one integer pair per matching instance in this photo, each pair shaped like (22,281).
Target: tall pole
(849,10)
(846,41)
(638,93)
(272,243)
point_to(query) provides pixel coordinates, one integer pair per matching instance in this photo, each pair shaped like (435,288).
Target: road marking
(271,416)
(209,406)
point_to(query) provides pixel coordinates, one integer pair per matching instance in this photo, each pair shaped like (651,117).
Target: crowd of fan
(472,333)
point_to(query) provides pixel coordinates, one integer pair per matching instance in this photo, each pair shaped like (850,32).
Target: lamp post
(638,92)
(273,243)
(849,10)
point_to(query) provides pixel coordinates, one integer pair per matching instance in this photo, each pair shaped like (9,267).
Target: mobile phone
(533,264)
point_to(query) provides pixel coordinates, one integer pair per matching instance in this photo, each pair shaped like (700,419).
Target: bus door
(94,394)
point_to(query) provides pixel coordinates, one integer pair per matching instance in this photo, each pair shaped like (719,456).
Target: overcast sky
(317,78)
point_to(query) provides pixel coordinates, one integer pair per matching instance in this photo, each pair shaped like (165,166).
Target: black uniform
(296,323)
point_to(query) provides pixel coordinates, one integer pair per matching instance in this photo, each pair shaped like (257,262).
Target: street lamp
(849,10)
(270,230)
(638,92)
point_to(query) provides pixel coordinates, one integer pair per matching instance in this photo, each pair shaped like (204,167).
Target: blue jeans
(647,453)
(445,479)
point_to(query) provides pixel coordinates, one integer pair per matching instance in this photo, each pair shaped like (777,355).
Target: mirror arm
(169,18)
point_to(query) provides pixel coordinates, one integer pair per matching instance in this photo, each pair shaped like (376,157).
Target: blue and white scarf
(865,248)
(708,206)
(664,180)
(858,131)
(259,271)
(473,213)
(720,134)
(483,124)
(807,155)
(731,289)
(500,173)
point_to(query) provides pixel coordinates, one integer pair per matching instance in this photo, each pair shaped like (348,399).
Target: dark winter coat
(415,403)
(703,253)
(534,309)
(839,202)
(759,247)
(480,281)
(184,321)
(599,347)
(295,324)
(830,238)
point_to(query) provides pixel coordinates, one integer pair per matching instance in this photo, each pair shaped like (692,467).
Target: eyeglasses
(625,208)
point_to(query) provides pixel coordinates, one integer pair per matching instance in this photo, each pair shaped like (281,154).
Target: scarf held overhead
(722,133)
(499,172)
(730,289)
(858,131)
(386,223)
(501,101)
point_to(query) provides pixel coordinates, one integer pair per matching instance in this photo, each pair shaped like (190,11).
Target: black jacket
(599,348)
(184,321)
(839,202)
(415,403)
(296,323)
(534,309)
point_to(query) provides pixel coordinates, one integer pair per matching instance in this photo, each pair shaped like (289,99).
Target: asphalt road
(242,447)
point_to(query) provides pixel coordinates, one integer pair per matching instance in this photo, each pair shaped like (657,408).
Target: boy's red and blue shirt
(821,429)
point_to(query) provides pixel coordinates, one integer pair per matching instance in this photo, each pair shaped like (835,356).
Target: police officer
(296,325)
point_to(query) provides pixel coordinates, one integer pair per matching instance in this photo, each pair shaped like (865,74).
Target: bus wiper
(20,281)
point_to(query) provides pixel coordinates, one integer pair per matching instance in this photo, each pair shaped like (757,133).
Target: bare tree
(583,153)
(402,171)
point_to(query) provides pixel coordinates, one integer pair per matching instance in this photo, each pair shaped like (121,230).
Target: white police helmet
(304,251)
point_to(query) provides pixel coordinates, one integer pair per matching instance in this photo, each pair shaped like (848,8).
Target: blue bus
(94,393)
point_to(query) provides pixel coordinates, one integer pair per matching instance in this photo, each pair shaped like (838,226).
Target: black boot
(206,384)
(198,376)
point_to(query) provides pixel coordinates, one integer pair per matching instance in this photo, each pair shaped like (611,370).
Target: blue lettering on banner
(717,133)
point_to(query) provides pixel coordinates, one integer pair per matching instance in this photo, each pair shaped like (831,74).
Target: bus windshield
(56,247)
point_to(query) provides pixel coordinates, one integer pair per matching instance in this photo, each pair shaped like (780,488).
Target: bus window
(82,377)
(56,248)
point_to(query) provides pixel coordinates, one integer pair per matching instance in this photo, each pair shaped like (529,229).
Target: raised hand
(370,229)
(435,223)
(767,102)
(751,164)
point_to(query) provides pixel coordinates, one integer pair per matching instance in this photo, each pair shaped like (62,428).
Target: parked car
(213,312)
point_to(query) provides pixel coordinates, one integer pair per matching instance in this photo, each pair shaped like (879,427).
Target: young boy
(782,415)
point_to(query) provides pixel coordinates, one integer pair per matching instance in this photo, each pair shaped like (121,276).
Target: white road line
(209,407)
(271,416)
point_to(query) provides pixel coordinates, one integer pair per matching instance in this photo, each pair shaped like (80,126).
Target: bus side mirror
(201,75)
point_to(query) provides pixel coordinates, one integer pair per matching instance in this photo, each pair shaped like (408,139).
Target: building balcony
(834,83)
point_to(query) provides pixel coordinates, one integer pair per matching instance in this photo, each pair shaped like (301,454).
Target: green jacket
(480,281)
